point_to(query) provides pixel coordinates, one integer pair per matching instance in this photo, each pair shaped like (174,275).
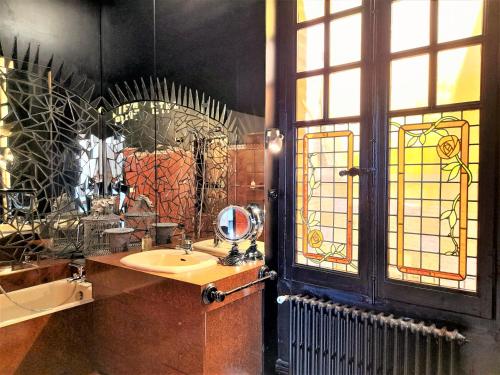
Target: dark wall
(127,41)
(215,46)
(66,29)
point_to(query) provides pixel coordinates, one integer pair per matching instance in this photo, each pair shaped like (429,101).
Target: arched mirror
(171,150)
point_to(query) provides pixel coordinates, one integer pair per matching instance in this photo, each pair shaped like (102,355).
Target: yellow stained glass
(458,75)
(309,98)
(433,203)
(310,9)
(409,82)
(327,224)
(458,19)
(410,20)
(341,5)
(310,48)
(345,93)
(345,40)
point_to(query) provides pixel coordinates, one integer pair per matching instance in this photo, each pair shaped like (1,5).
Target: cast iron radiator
(330,338)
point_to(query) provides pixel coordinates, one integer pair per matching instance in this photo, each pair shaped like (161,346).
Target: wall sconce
(274,140)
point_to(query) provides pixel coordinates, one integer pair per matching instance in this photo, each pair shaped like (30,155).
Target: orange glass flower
(315,238)
(448,146)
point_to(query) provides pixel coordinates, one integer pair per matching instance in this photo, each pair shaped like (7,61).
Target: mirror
(49,156)
(172,155)
(164,157)
(236,224)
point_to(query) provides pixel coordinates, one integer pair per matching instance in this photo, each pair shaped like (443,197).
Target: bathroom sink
(169,261)
(223,247)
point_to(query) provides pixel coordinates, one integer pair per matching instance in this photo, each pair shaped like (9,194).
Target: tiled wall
(246,181)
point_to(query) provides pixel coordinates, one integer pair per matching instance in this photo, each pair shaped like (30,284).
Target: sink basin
(169,261)
(223,247)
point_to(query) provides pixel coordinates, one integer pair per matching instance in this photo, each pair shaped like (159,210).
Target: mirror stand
(252,253)
(234,257)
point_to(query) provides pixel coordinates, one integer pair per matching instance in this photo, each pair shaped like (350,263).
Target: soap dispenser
(147,241)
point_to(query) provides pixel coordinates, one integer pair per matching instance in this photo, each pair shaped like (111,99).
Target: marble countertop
(201,277)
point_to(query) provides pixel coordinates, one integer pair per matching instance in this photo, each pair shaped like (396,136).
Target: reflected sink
(223,247)
(169,261)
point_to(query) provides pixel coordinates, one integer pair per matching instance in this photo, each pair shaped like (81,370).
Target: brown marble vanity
(156,323)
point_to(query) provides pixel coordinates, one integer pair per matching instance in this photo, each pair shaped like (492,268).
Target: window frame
(435,297)
(372,284)
(361,282)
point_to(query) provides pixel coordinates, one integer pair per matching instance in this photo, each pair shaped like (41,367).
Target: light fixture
(274,140)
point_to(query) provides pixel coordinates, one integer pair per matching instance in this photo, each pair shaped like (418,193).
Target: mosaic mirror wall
(156,154)
(173,153)
(49,139)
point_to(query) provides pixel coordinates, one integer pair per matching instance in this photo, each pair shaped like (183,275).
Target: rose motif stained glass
(433,182)
(327,203)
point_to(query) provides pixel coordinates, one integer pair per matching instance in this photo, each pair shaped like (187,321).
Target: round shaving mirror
(236,224)
(233,224)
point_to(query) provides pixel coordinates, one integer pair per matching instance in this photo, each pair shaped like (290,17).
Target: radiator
(331,338)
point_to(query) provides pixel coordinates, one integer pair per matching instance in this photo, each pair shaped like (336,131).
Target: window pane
(309,98)
(410,82)
(345,93)
(459,75)
(433,177)
(327,203)
(410,21)
(458,19)
(310,9)
(310,47)
(345,40)
(340,5)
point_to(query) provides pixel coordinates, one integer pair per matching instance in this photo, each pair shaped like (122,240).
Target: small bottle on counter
(147,242)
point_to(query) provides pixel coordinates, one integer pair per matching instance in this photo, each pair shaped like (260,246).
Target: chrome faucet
(79,274)
(187,246)
(26,261)
(216,238)
(186,243)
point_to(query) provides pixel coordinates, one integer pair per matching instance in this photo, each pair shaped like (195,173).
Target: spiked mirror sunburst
(60,145)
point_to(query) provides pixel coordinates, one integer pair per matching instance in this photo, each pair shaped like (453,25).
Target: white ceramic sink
(169,261)
(223,247)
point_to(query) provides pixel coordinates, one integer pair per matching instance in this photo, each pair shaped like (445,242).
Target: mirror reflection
(165,166)
(234,223)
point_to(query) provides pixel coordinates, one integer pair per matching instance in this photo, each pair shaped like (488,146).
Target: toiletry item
(147,242)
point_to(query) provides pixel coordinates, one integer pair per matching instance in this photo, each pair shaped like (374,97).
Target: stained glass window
(327,203)
(328,92)
(434,156)
(433,183)
(328,60)
(310,9)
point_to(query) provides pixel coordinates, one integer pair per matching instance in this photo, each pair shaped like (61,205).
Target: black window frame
(372,283)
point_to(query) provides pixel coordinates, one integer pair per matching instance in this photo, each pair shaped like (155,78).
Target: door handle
(356,171)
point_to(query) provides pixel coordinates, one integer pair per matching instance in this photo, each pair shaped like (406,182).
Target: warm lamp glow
(274,140)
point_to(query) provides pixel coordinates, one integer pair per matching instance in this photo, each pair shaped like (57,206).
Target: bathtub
(50,297)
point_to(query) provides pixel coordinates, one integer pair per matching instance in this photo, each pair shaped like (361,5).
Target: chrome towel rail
(212,294)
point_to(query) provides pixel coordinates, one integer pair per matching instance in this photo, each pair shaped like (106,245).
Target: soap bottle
(147,241)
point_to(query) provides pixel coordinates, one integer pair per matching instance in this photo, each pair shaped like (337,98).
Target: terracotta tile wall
(246,182)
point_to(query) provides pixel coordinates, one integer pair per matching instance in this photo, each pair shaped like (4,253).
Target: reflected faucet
(79,274)
(216,238)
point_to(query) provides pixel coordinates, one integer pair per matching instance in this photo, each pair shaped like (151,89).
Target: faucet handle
(79,268)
